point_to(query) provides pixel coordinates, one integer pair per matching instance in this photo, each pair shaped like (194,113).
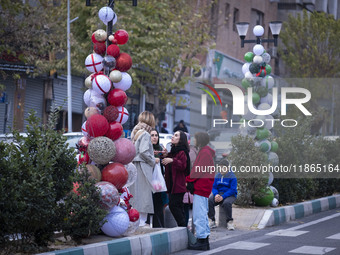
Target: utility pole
(69,81)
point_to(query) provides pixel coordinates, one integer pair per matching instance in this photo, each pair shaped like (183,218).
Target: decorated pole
(107,155)
(258,79)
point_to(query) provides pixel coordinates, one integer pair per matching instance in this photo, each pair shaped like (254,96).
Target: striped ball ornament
(123,115)
(93,63)
(101,84)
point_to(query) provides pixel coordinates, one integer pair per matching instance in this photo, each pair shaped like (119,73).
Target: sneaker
(212,224)
(230,225)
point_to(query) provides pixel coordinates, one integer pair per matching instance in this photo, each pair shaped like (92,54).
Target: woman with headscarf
(144,161)
(177,167)
(158,204)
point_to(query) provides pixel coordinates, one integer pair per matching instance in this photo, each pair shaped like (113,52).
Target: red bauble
(93,38)
(116,174)
(111,113)
(121,36)
(117,97)
(83,158)
(125,151)
(97,125)
(115,130)
(133,214)
(113,50)
(123,62)
(83,143)
(99,48)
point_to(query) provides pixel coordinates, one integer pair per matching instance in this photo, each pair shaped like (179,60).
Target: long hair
(182,146)
(183,141)
(147,118)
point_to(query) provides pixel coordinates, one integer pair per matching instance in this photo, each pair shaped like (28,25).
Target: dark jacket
(202,174)
(175,173)
(226,185)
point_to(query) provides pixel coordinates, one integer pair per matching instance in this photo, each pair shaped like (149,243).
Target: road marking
(315,221)
(293,230)
(283,232)
(249,246)
(315,250)
(336,236)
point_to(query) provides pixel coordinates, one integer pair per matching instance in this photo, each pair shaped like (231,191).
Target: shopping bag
(158,182)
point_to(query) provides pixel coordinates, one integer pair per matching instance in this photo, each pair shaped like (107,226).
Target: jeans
(177,209)
(201,221)
(226,205)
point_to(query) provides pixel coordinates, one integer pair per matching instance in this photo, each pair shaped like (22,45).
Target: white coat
(144,161)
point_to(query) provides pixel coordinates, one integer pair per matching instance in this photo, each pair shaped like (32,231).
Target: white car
(73,138)
(165,140)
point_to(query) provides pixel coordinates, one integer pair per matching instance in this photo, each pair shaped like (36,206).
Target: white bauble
(106,14)
(123,115)
(248,75)
(257,59)
(268,81)
(266,57)
(101,84)
(258,49)
(117,222)
(258,30)
(93,63)
(274,202)
(245,68)
(125,83)
(83,129)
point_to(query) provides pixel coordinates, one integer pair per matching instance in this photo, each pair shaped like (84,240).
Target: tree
(165,37)
(311,51)
(31,32)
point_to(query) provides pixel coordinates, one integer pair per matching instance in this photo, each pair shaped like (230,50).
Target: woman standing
(158,217)
(203,180)
(144,161)
(177,167)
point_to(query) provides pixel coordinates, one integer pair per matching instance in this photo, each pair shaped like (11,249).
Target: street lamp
(242,28)
(69,81)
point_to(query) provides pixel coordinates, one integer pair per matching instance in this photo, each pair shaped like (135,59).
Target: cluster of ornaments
(107,155)
(257,76)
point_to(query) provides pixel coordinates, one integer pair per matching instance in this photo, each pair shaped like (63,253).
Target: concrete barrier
(161,242)
(287,213)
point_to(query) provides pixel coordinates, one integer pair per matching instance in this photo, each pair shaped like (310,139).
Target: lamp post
(242,28)
(69,81)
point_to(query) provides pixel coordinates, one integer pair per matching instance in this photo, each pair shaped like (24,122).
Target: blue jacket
(225,184)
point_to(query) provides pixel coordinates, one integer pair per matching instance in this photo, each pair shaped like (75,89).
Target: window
(257,17)
(227,14)
(214,19)
(236,18)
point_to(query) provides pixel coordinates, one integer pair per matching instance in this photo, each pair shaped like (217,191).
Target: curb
(160,242)
(273,217)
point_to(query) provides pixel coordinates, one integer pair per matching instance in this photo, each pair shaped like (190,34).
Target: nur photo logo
(244,103)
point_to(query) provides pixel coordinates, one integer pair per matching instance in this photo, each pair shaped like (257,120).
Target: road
(315,234)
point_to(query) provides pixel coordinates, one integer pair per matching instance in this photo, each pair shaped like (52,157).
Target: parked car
(73,138)
(165,140)
(220,141)
(8,138)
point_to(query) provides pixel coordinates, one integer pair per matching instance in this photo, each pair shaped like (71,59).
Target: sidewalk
(171,240)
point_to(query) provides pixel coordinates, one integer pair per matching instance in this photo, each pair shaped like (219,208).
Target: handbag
(158,182)
(188,198)
(190,187)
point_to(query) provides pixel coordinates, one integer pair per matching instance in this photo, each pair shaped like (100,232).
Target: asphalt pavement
(314,234)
